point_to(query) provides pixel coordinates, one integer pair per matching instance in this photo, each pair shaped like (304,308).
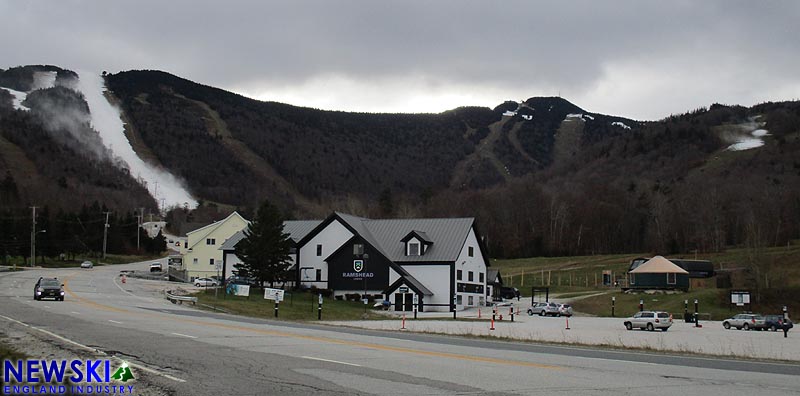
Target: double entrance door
(403,301)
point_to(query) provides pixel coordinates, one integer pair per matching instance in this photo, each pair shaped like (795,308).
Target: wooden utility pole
(105,235)
(33,236)
(139,218)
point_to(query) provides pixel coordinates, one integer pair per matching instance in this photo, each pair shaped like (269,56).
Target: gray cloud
(633,58)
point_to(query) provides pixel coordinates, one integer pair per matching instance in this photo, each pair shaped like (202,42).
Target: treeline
(65,235)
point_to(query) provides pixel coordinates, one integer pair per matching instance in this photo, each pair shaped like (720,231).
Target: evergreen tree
(264,251)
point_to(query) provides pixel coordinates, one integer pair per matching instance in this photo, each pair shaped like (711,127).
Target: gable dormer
(416,243)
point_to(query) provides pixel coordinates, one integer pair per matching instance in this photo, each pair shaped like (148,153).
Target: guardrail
(176,299)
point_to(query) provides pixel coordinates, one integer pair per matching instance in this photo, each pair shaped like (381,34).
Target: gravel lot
(710,339)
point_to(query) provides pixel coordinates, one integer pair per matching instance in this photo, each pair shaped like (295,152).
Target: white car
(87,264)
(649,320)
(545,309)
(205,282)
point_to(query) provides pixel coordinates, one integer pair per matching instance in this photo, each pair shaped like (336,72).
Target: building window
(211,261)
(672,279)
(211,241)
(470,277)
(413,249)
(319,275)
(470,301)
(480,277)
(633,279)
(459,300)
(319,250)
(471,251)
(458,274)
(194,260)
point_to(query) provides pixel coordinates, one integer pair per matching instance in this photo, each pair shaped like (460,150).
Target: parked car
(509,292)
(776,322)
(545,309)
(48,288)
(649,320)
(205,282)
(565,310)
(744,321)
(156,267)
(87,264)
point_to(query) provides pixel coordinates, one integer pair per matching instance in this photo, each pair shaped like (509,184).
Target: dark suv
(509,292)
(48,288)
(776,322)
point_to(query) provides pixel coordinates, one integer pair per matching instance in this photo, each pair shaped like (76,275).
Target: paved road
(200,353)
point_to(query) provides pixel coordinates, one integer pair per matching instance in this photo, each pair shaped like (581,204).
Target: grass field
(297,306)
(569,277)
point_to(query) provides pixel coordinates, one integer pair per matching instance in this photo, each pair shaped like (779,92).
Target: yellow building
(201,251)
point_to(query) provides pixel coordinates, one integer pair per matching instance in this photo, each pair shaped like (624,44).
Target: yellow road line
(315,338)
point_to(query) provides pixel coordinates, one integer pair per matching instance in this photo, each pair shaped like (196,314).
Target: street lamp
(33,247)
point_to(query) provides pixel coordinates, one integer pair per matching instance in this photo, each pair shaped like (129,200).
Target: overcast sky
(639,59)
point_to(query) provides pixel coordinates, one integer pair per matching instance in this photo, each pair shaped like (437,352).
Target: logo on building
(358,265)
(65,377)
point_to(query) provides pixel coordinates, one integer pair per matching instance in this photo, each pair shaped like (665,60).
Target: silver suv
(744,321)
(649,320)
(544,309)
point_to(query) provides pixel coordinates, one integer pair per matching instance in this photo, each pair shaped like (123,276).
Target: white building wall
(475,264)
(331,238)
(436,277)
(231,259)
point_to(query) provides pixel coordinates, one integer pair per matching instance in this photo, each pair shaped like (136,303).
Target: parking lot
(710,339)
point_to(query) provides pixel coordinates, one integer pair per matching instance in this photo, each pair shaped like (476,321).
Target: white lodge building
(441,261)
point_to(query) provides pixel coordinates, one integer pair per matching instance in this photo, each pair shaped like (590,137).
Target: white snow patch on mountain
(19,97)
(163,186)
(620,124)
(746,135)
(746,144)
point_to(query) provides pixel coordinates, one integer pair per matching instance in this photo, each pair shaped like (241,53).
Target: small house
(658,273)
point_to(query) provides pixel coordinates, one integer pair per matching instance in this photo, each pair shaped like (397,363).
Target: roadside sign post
(319,308)
(275,295)
(512,312)
(696,314)
(613,301)
(416,302)
(218,267)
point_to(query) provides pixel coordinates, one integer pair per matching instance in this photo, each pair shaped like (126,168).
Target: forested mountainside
(543,176)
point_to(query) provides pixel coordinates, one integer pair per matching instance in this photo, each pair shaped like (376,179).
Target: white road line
(114,321)
(184,335)
(13,320)
(76,313)
(330,361)
(88,348)
(47,306)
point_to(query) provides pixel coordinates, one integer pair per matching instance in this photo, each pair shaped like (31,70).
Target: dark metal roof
(447,237)
(297,229)
(230,243)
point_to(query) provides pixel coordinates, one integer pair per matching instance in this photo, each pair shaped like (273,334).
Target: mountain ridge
(535,173)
